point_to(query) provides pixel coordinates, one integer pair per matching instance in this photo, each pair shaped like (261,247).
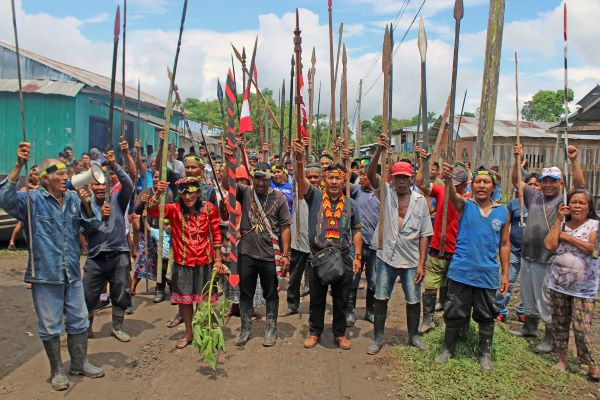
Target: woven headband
(195,159)
(53,168)
(256,173)
(486,173)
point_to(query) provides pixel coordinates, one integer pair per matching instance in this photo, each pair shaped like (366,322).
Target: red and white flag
(245,118)
(303,130)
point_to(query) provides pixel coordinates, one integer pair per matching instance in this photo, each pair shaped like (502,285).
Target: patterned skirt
(143,264)
(189,285)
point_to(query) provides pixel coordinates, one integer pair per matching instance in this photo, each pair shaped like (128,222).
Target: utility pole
(489,92)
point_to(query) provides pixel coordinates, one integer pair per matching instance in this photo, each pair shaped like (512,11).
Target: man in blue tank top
(473,279)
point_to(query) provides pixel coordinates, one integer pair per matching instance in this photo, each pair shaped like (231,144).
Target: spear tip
(117,29)
(329,4)
(313,59)
(422,42)
(297,19)
(458,10)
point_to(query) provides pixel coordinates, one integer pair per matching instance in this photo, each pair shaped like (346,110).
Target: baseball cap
(402,168)
(94,151)
(459,176)
(552,172)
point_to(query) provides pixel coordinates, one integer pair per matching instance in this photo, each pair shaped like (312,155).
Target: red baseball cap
(402,168)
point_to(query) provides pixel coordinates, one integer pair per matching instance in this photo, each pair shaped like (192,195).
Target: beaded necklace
(332,217)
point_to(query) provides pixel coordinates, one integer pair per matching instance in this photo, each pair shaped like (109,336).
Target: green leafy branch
(207,326)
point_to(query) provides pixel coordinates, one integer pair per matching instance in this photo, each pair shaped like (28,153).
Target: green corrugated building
(68,106)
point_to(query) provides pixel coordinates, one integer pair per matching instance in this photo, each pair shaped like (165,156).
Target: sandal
(172,323)
(183,343)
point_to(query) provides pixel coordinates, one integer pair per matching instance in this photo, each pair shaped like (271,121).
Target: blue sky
(81,33)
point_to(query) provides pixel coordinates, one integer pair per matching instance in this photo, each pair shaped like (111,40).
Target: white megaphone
(94,175)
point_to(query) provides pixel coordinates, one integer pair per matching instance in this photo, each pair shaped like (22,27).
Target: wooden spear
(123,105)
(422,42)
(299,102)
(358,126)
(291,106)
(318,124)
(24,139)
(311,98)
(344,114)
(386,64)
(111,108)
(220,98)
(331,130)
(458,14)
(165,149)
(517,128)
(282,116)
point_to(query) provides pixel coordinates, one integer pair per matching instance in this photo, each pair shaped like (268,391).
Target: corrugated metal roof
(470,126)
(45,86)
(87,77)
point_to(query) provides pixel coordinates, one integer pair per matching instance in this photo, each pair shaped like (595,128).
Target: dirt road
(149,367)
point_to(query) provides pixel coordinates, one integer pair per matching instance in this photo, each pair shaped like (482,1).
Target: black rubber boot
(545,346)
(351,308)
(529,328)
(413,314)
(380,316)
(271,329)
(118,315)
(428,309)
(57,373)
(77,345)
(246,317)
(439,306)
(370,303)
(486,336)
(449,346)
(90,331)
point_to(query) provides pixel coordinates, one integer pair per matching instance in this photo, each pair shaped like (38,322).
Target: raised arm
(457,200)
(302,182)
(514,175)
(10,200)
(578,178)
(138,157)
(382,145)
(128,160)
(420,178)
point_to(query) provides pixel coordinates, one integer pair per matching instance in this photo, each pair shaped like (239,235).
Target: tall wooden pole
(319,123)
(298,100)
(165,149)
(422,42)
(458,14)
(359,126)
(311,98)
(391,95)
(386,64)
(517,129)
(123,105)
(566,101)
(344,114)
(282,118)
(331,130)
(291,104)
(489,92)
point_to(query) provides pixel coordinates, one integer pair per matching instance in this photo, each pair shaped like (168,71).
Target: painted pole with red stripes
(230,136)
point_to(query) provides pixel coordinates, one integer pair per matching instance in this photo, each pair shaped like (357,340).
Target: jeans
(534,289)
(318,302)
(297,267)
(249,269)
(112,267)
(51,301)
(386,278)
(369,257)
(514,268)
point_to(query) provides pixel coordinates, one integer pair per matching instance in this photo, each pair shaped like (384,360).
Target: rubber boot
(379,317)
(413,314)
(246,317)
(529,328)
(77,345)
(545,346)
(271,329)
(118,315)
(439,306)
(90,331)
(57,373)
(449,346)
(159,294)
(486,336)
(428,309)
(370,304)
(351,308)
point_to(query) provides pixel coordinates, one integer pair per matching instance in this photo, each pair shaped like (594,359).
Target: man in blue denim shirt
(53,268)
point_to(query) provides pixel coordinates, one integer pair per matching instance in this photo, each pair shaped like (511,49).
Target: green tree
(468,114)
(546,105)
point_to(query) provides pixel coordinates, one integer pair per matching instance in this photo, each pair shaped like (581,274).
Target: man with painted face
(473,278)
(334,221)
(542,208)
(108,249)
(437,264)
(406,229)
(264,244)
(53,268)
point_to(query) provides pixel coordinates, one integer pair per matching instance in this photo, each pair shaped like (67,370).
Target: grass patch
(17,252)
(518,371)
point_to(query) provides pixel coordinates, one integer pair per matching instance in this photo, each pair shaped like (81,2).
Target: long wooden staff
(165,149)
(291,105)
(318,123)
(331,130)
(566,101)
(299,101)
(282,118)
(386,64)
(139,105)
(258,114)
(24,139)
(458,14)
(359,125)
(391,78)
(237,102)
(123,105)
(111,109)
(422,42)
(517,128)
(311,98)
(220,97)
(344,114)
(462,111)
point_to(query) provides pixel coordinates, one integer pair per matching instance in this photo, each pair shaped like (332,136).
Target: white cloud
(100,17)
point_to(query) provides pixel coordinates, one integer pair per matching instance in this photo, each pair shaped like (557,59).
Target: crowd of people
(315,221)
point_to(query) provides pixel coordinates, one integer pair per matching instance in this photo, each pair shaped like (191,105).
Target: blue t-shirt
(287,190)
(516,230)
(475,260)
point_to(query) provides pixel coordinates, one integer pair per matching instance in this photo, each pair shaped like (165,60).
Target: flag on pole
(245,118)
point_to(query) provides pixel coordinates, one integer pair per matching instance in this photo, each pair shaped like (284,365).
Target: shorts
(435,273)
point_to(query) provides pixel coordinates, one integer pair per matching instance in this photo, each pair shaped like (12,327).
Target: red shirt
(198,250)
(438,193)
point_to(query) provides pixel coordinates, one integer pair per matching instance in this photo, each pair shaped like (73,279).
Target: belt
(435,253)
